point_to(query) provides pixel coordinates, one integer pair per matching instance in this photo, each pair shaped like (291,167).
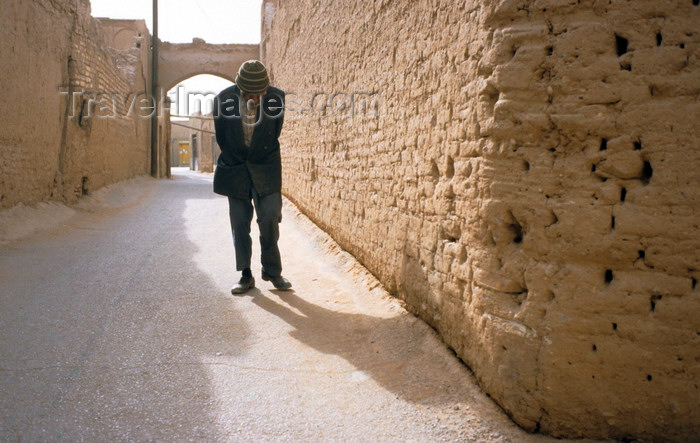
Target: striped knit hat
(252,77)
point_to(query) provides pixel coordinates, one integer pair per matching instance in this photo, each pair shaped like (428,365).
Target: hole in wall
(450,170)
(84,186)
(595,348)
(451,233)
(638,146)
(550,50)
(641,253)
(614,326)
(696,2)
(520,297)
(517,231)
(693,283)
(623,194)
(647,172)
(682,45)
(659,39)
(649,377)
(621,44)
(612,223)
(593,167)
(603,144)
(608,276)
(626,66)
(653,300)
(526,165)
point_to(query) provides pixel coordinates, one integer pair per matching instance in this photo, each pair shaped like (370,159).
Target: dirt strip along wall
(529,186)
(57,145)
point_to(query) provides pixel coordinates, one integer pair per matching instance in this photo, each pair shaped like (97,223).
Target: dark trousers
(269,215)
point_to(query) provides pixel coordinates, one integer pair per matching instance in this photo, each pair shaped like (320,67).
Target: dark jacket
(238,166)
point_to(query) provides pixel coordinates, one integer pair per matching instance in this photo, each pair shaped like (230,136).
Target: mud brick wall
(529,188)
(51,149)
(35,47)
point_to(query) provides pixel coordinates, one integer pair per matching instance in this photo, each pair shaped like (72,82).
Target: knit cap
(252,77)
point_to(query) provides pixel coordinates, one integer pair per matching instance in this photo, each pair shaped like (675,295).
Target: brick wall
(528,188)
(34,64)
(58,144)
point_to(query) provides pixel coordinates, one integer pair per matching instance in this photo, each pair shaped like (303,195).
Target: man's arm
(225,109)
(219,124)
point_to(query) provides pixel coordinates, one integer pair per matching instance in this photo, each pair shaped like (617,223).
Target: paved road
(120,326)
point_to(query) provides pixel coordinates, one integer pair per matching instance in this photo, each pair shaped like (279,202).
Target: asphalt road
(120,326)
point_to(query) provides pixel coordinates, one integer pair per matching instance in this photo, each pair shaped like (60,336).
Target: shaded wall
(523,181)
(66,95)
(206,143)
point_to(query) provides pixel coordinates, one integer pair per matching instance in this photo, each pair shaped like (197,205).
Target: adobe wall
(54,145)
(529,188)
(179,61)
(206,142)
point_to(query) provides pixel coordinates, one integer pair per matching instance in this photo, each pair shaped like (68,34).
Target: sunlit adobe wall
(522,174)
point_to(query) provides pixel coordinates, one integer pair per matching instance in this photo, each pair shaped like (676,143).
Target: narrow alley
(120,326)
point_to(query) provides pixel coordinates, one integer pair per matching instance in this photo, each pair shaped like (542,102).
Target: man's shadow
(395,352)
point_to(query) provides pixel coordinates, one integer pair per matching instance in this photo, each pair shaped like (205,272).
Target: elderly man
(248,120)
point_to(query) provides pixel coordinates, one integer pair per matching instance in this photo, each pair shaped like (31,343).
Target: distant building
(193,143)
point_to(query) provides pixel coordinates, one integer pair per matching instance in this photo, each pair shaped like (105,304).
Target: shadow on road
(399,353)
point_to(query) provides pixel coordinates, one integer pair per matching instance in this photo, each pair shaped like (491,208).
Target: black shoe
(246,283)
(280,282)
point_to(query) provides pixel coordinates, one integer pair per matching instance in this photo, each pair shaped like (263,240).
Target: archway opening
(195,95)
(193,140)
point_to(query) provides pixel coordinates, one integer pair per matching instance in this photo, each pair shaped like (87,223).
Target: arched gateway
(179,61)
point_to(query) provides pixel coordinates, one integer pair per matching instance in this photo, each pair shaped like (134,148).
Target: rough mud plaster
(530,189)
(54,46)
